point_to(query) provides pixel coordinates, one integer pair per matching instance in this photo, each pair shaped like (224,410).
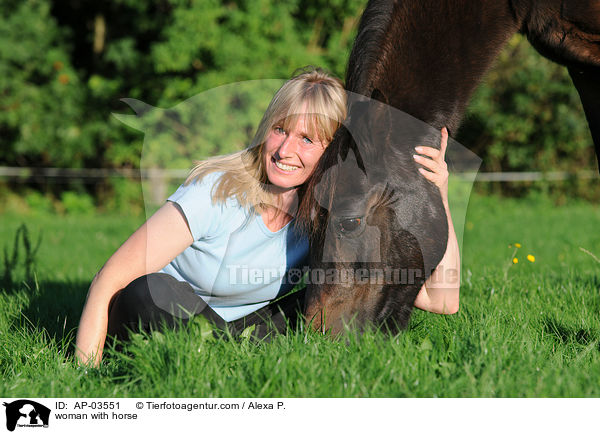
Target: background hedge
(64,66)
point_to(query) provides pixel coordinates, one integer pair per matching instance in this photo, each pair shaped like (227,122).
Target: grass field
(530,329)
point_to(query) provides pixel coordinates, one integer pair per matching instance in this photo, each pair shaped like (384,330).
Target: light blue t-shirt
(237,265)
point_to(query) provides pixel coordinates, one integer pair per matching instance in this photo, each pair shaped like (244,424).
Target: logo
(26,413)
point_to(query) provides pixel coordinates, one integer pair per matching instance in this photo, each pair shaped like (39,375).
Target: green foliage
(124,197)
(201,126)
(527,116)
(77,203)
(11,260)
(64,66)
(38,202)
(42,95)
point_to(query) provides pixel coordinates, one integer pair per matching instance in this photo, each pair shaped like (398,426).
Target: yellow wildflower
(531,258)
(515,261)
(517,245)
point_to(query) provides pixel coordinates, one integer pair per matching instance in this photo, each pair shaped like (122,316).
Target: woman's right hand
(437,168)
(152,246)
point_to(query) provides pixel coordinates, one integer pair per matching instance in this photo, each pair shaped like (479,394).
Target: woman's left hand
(438,169)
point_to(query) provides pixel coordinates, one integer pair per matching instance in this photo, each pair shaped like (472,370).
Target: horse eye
(349,225)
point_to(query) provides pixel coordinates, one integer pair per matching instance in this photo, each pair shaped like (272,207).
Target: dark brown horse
(368,207)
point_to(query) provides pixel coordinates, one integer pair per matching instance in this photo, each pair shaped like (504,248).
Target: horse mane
(415,69)
(365,57)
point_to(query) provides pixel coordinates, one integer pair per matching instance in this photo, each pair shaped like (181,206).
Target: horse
(367,208)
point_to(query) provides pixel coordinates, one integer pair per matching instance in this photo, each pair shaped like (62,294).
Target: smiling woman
(291,154)
(206,251)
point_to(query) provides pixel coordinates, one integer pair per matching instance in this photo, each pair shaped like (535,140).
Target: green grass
(524,330)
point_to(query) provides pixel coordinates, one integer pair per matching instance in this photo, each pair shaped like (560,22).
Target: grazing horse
(367,207)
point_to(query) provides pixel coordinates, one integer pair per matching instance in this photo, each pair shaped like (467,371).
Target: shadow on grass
(568,334)
(54,307)
(591,280)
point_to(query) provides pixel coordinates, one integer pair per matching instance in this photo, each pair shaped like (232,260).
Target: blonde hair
(311,92)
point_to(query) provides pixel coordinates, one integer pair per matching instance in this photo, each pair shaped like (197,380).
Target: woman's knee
(128,306)
(133,297)
(156,297)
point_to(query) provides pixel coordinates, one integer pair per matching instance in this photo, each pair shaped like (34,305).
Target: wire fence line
(90,175)
(535,176)
(26,174)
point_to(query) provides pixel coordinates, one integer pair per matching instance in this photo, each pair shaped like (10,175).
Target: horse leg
(583,17)
(587,83)
(568,32)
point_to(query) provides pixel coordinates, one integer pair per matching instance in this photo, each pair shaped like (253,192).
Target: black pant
(151,299)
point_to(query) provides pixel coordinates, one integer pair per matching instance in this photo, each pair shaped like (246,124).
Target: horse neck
(427,56)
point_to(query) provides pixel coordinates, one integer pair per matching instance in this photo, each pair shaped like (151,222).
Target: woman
(207,249)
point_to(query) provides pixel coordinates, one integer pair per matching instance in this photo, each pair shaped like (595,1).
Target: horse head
(380,226)
(368,206)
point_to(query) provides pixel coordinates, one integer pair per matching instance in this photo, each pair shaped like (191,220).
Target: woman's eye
(307,140)
(279,130)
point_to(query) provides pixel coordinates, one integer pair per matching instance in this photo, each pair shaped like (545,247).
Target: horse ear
(379,96)
(380,116)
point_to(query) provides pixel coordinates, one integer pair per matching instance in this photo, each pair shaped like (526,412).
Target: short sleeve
(195,201)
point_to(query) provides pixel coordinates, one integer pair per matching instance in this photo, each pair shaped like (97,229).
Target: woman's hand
(438,169)
(160,239)
(440,293)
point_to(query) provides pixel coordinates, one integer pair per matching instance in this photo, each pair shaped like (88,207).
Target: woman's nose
(287,146)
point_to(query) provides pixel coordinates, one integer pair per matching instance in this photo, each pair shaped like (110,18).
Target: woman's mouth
(283,167)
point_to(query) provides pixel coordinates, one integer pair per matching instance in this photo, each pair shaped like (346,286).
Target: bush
(39,203)
(123,196)
(527,116)
(65,67)
(77,203)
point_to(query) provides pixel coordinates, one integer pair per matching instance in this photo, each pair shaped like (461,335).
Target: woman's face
(291,155)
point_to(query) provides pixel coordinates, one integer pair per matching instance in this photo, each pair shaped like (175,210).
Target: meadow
(525,329)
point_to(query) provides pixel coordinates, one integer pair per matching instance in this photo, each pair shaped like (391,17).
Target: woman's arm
(160,239)
(440,293)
